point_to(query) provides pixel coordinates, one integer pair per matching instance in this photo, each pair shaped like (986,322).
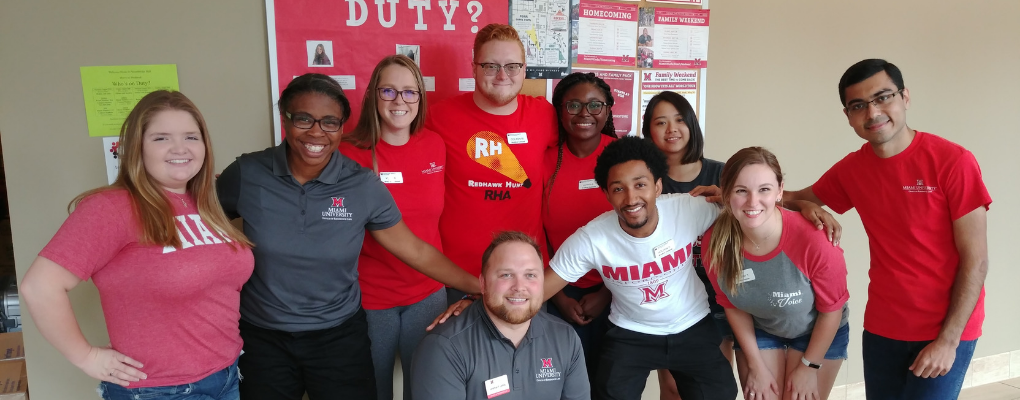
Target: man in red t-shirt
(495,141)
(923,204)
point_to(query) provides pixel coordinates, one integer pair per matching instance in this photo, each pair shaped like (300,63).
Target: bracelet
(810,364)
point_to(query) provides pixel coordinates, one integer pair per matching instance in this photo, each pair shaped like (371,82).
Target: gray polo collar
(536,329)
(329,175)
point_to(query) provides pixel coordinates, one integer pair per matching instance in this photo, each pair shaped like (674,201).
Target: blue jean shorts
(837,350)
(221,385)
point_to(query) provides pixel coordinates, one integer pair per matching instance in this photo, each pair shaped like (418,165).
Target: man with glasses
(495,141)
(923,204)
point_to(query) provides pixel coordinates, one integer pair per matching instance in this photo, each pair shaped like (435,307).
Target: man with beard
(495,142)
(503,346)
(643,250)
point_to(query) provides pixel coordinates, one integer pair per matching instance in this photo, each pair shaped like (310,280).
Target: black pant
(333,363)
(692,356)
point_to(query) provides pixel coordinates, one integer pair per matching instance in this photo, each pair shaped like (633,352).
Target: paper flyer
(544,28)
(110,145)
(111,92)
(682,81)
(681,38)
(623,85)
(684,2)
(607,33)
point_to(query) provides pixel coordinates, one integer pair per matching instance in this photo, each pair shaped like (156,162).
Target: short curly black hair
(315,83)
(629,148)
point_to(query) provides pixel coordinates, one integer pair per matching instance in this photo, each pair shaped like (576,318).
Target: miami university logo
(547,363)
(338,202)
(651,295)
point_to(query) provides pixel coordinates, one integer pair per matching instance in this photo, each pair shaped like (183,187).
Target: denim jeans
(886,373)
(836,351)
(221,385)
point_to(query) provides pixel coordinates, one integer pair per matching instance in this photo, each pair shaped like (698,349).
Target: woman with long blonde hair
(391,139)
(782,283)
(168,264)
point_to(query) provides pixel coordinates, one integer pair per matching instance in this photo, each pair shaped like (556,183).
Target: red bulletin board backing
(355,34)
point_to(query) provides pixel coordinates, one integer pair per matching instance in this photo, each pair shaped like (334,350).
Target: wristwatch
(809,363)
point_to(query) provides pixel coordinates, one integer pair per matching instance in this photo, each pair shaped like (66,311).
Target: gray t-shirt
(307,237)
(785,289)
(456,360)
(711,172)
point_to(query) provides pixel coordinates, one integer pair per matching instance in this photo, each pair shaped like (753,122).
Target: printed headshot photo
(645,39)
(412,51)
(320,53)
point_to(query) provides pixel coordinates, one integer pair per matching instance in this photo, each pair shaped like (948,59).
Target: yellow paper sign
(111,92)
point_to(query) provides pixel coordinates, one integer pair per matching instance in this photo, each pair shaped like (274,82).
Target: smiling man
(923,204)
(503,347)
(495,145)
(643,249)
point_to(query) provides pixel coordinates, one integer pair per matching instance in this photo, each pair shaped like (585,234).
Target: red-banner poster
(346,38)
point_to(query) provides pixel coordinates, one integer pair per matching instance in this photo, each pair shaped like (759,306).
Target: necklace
(186,204)
(756,247)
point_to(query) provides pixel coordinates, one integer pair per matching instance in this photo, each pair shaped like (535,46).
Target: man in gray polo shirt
(503,346)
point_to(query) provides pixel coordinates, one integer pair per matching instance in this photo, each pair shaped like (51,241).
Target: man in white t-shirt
(660,314)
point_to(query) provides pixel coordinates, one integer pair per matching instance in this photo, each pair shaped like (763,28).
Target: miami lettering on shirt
(203,237)
(783,299)
(644,274)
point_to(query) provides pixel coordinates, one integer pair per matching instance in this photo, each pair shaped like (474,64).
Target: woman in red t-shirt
(168,264)
(391,139)
(583,104)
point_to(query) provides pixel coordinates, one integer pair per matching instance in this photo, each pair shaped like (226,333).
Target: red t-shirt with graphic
(494,173)
(573,200)
(414,174)
(175,311)
(908,203)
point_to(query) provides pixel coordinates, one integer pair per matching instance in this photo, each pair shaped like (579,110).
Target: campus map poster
(607,33)
(544,28)
(345,40)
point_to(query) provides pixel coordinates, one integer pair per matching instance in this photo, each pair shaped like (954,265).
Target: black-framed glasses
(492,69)
(390,94)
(879,101)
(594,107)
(305,121)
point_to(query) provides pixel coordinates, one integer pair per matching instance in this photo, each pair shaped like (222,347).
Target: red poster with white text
(346,39)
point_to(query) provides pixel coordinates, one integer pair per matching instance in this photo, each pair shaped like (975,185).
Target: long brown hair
(151,205)
(726,248)
(369,129)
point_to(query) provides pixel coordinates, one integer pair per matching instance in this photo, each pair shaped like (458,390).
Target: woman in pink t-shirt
(782,283)
(168,264)
(392,141)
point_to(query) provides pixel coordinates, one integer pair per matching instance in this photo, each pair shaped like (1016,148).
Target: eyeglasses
(390,94)
(305,121)
(492,69)
(881,100)
(594,107)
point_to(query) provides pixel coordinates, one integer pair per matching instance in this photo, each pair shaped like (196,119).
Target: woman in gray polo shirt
(307,207)
(782,283)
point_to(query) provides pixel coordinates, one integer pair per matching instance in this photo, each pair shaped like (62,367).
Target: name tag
(663,249)
(517,138)
(391,177)
(747,275)
(497,386)
(587,184)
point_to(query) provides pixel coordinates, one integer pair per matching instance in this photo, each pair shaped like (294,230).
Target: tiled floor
(1003,390)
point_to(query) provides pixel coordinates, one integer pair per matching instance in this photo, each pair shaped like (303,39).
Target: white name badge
(747,275)
(663,249)
(391,177)
(587,184)
(497,386)
(517,138)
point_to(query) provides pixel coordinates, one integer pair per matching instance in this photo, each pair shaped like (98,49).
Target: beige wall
(772,82)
